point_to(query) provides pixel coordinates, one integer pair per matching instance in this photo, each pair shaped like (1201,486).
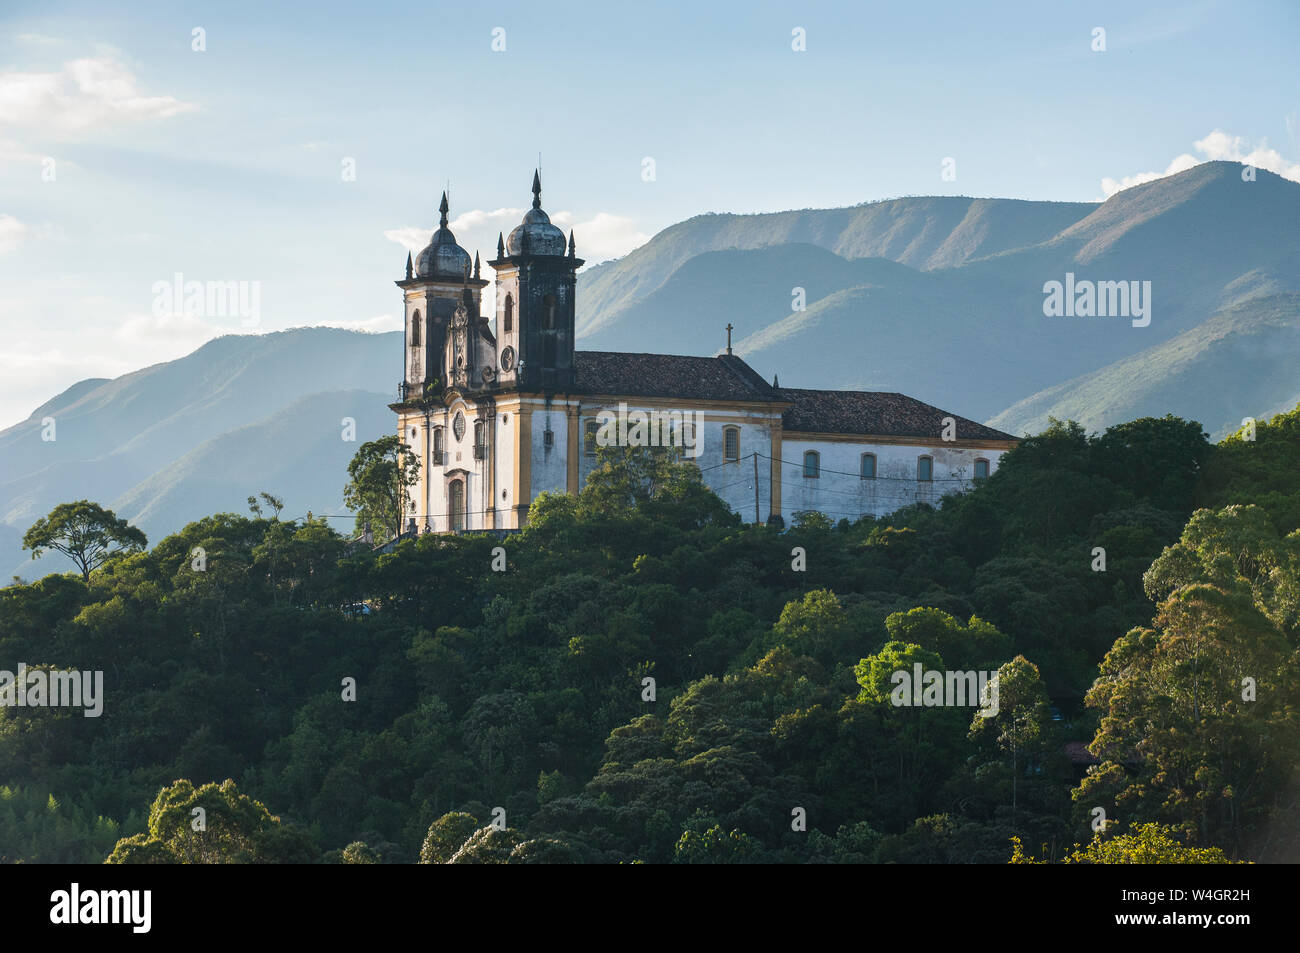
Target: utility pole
(756,486)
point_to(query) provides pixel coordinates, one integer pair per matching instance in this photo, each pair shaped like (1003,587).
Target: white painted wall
(840,492)
(550,467)
(507,426)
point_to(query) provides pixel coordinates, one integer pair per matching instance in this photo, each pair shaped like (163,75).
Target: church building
(502,407)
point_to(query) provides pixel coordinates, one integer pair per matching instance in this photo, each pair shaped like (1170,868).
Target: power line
(821,469)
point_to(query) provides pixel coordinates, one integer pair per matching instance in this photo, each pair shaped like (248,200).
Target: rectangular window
(731,443)
(812,465)
(868,466)
(981,469)
(925,469)
(589,438)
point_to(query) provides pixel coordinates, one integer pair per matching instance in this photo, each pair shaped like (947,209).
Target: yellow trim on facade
(572,412)
(774,504)
(523,468)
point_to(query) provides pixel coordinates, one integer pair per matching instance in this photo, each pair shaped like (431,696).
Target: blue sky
(226,164)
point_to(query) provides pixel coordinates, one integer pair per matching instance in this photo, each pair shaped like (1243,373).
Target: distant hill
(299,453)
(958,321)
(687,313)
(1243,357)
(178,440)
(922,233)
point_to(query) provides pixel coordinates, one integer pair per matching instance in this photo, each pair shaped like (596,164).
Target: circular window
(458,425)
(507,359)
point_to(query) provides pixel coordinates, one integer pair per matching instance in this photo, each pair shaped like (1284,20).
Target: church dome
(543,238)
(442,257)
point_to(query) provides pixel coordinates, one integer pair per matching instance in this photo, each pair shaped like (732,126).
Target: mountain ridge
(939,298)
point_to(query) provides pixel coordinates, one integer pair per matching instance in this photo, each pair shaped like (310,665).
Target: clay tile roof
(727,377)
(1078,753)
(874,413)
(620,373)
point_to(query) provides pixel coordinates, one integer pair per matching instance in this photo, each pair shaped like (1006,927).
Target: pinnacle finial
(476,271)
(572,247)
(442,207)
(501,246)
(408,266)
(537,189)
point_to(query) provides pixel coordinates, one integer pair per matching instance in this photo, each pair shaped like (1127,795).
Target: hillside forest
(640,676)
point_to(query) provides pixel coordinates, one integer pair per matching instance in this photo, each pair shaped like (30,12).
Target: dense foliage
(638,676)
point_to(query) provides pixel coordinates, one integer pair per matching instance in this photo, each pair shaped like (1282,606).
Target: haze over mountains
(171,443)
(940,298)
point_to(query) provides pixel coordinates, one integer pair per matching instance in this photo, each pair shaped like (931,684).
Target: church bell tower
(437,286)
(536,277)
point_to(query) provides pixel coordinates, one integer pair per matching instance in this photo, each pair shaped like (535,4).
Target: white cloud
(411,237)
(34,369)
(164,338)
(376,325)
(1218,145)
(603,237)
(11,151)
(85,95)
(598,238)
(12,233)
(30,377)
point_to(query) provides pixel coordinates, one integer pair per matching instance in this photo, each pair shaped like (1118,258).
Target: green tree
(212,824)
(274,503)
(1022,725)
(358,852)
(714,846)
(489,845)
(1147,844)
(86,533)
(381,475)
(1205,702)
(975,645)
(445,837)
(655,482)
(1258,468)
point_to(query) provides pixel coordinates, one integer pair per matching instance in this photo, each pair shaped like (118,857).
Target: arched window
(509,314)
(480,442)
(812,465)
(730,443)
(437,446)
(548,312)
(924,469)
(589,437)
(981,469)
(456,504)
(868,466)
(415,329)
